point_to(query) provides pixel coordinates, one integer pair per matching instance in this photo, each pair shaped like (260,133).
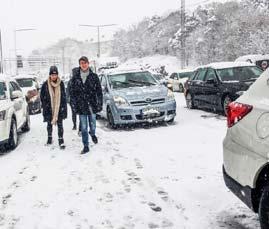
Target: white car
(246,148)
(257,59)
(178,79)
(14,115)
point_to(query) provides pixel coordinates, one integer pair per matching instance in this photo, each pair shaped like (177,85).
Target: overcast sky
(55,19)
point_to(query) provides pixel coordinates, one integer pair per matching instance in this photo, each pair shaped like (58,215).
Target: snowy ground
(159,177)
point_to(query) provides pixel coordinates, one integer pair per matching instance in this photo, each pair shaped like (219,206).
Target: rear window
(3,90)
(25,82)
(185,75)
(239,73)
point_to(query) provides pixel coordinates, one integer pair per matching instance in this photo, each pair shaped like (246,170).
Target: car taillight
(236,112)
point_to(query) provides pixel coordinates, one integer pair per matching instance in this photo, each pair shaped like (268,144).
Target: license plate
(151,111)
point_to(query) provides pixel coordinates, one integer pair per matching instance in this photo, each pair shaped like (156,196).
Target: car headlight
(2,115)
(119,101)
(170,95)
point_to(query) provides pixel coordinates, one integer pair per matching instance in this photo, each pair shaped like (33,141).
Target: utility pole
(1,56)
(98,35)
(183,30)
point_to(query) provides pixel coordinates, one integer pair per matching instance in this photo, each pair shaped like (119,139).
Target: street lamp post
(98,35)
(15,44)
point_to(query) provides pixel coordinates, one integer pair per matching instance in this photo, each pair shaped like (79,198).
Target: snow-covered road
(158,177)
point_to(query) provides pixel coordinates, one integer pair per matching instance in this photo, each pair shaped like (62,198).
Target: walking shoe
(74,127)
(85,150)
(49,142)
(94,139)
(61,143)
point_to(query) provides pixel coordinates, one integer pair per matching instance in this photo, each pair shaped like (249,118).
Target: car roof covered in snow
(223,65)
(122,71)
(185,70)
(24,76)
(253,58)
(4,77)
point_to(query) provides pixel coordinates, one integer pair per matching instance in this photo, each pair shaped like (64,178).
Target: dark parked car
(216,85)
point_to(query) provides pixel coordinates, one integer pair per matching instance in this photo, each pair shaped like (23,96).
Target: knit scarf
(55,98)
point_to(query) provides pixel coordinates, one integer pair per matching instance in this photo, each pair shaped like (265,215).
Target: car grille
(150,102)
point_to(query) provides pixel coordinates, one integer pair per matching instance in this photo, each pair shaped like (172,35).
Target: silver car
(136,97)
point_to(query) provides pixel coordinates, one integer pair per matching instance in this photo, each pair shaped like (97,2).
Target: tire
(225,102)
(181,88)
(27,124)
(13,135)
(110,119)
(264,208)
(171,121)
(189,101)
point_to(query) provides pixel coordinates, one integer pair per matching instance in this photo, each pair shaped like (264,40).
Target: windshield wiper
(250,79)
(141,82)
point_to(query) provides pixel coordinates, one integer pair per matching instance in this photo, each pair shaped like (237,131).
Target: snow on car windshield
(2,91)
(239,73)
(25,82)
(131,79)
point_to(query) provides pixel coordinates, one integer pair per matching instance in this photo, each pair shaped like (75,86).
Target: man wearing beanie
(87,94)
(53,99)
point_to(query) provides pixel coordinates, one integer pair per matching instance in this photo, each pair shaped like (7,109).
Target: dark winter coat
(86,96)
(46,104)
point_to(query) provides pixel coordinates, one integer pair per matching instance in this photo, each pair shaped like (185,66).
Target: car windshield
(158,77)
(2,91)
(185,75)
(239,73)
(134,79)
(25,82)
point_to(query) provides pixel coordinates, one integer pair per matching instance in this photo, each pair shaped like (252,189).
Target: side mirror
(16,95)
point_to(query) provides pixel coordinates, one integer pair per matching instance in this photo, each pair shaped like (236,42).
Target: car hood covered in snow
(138,93)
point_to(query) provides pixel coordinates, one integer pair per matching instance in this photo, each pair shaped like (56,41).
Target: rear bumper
(133,114)
(245,194)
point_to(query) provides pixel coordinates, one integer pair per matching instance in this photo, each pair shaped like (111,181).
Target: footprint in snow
(164,195)
(138,164)
(154,207)
(6,198)
(33,178)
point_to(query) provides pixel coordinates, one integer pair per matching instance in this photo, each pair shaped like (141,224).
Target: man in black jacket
(87,95)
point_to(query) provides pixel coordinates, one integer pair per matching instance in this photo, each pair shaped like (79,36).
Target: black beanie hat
(53,70)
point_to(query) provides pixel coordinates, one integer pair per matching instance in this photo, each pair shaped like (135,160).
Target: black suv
(216,85)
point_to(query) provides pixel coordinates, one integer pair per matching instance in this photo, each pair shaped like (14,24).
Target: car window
(11,89)
(200,76)
(210,74)
(3,90)
(185,75)
(25,82)
(239,73)
(172,76)
(16,86)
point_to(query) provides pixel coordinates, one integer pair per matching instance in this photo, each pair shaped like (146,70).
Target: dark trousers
(74,117)
(60,129)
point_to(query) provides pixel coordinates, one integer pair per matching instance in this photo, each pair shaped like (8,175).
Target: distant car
(30,88)
(257,59)
(245,148)
(14,113)
(136,97)
(178,79)
(215,85)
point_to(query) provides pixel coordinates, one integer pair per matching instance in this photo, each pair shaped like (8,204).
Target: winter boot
(49,142)
(85,150)
(94,139)
(74,127)
(61,143)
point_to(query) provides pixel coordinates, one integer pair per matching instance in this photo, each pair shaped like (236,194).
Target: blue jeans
(85,121)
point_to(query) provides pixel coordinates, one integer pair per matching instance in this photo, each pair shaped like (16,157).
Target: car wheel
(264,209)
(111,119)
(226,101)
(181,88)
(26,126)
(171,121)
(13,135)
(189,101)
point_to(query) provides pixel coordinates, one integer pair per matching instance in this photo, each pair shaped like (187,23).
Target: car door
(211,89)
(197,86)
(17,104)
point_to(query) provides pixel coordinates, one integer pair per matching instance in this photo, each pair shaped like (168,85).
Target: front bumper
(134,114)
(245,194)
(4,131)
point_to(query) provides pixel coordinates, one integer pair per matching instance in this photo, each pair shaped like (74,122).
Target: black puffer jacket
(86,95)
(46,104)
